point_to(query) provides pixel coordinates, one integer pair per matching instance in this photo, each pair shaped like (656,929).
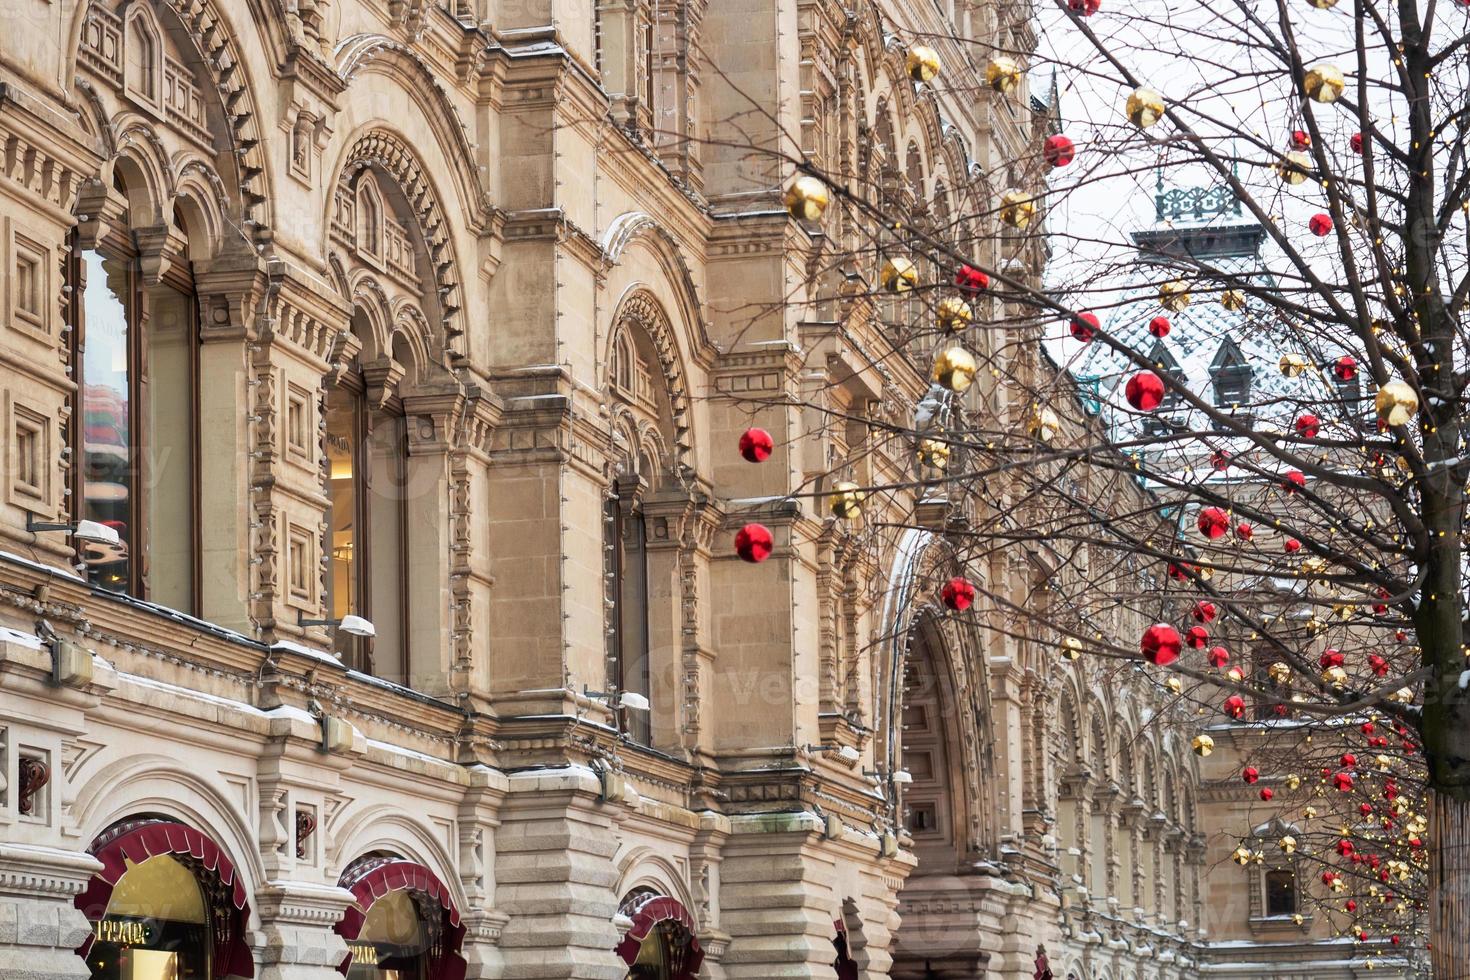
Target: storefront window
(107,417)
(156,926)
(394,943)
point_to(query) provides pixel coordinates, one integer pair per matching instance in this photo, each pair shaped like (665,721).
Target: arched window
(660,943)
(133,358)
(157,925)
(625,546)
(370,216)
(367,527)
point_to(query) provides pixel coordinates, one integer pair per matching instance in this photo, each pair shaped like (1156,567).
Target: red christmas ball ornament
(1058,150)
(1366,809)
(1391,790)
(1218,657)
(1293,481)
(756,445)
(1279,709)
(1085,327)
(1220,460)
(1362,936)
(1178,572)
(1160,644)
(1344,847)
(1330,659)
(1320,224)
(1328,877)
(1343,781)
(1378,665)
(1394,939)
(1213,522)
(1367,726)
(1345,368)
(1197,637)
(1308,425)
(1400,635)
(1234,706)
(971,279)
(1379,607)
(1203,612)
(1292,546)
(1267,793)
(958,594)
(1250,774)
(1356,142)
(1084,7)
(1348,760)
(753,543)
(1300,139)
(1351,906)
(1145,391)
(1243,531)
(1160,326)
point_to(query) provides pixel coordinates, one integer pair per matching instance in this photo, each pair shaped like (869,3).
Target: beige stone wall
(541,204)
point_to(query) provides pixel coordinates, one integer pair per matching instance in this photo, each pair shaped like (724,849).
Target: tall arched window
(134,361)
(367,527)
(625,537)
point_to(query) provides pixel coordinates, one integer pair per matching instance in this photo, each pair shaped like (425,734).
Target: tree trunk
(1449,885)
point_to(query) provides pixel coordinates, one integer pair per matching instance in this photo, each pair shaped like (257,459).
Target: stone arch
(385,829)
(373,53)
(643,867)
(389,154)
(159,785)
(635,228)
(217,56)
(640,309)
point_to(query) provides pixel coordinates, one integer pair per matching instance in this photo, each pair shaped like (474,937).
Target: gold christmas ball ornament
(846,500)
(1279,672)
(806,198)
(1288,844)
(954,369)
(1175,685)
(1241,855)
(1293,781)
(1233,300)
(898,275)
(1396,403)
(1295,168)
(1202,745)
(1043,424)
(1145,107)
(1017,208)
(1003,73)
(1297,920)
(934,453)
(1323,4)
(1174,296)
(1235,674)
(1071,648)
(1403,695)
(1292,365)
(1335,676)
(953,314)
(1309,812)
(1324,83)
(922,63)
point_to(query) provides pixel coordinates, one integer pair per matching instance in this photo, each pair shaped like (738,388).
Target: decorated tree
(1275,357)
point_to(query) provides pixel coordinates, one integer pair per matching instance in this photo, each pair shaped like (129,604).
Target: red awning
(139,840)
(376,878)
(657,909)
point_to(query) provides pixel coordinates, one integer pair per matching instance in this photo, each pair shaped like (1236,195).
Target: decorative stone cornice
(44,155)
(302,903)
(44,872)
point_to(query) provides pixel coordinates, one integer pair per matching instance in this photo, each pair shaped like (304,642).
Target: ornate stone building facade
(440,322)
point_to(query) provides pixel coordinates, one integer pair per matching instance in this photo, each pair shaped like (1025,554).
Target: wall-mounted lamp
(82,532)
(846,753)
(631,700)
(901,777)
(355,625)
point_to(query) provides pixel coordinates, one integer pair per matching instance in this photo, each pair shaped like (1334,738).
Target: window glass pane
(633,614)
(343,450)
(388,532)
(170,448)
(107,440)
(1280,893)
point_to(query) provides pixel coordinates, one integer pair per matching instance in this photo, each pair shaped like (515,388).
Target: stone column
(297,938)
(40,928)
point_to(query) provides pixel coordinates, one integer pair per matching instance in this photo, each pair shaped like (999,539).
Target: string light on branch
(806,199)
(1144,108)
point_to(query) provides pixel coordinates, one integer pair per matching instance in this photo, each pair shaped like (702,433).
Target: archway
(660,944)
(167,904)
(403,923)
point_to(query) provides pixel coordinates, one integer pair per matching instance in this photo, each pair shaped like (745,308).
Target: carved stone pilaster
(297,937)
(37,886)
